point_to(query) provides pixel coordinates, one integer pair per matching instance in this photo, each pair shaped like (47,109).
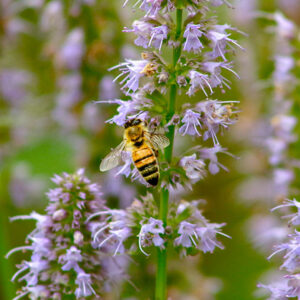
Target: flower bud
(59,215)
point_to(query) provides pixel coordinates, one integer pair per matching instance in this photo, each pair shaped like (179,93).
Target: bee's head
(133,128)
(132,122)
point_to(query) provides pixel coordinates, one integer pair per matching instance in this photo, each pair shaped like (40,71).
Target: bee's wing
(112,159)
(158,140)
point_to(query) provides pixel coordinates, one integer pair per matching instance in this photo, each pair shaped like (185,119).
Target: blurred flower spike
(283,128)
(63,261)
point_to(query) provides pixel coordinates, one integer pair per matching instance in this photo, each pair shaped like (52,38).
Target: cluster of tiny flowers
(138,227)
(124,231)
(63,261)
(282,124)
(194,232)
(204,75)
(146,81)
(207,118)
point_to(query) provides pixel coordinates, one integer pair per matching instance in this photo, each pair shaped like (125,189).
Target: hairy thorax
(134,135)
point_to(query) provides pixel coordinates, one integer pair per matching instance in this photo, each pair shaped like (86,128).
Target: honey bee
(143,146)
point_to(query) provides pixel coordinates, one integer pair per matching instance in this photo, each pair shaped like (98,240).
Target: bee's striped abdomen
(146,162)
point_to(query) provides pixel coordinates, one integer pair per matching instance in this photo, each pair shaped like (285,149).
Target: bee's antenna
(139,114)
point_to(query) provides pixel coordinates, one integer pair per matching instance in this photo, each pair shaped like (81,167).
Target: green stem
(161,275)
(6,269)
(177,51)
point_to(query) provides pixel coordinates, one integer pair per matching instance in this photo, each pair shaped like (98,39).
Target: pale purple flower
(71,259)
(181,81)
(190,123)
(151,7)
(198,81)
(72,50)
(282,179)
(215,115)
(125,109)
(278,290)
(120,235)
(294,284)
(153,226)
(36,292)
(42,221)
(35,266)
(214,68)
(84,283)
(186,232)
(112,234)
(182,206)
(150,234)
(222,28)
(193,167)
(276,147)
(192,35)
(211,155)
(115,267)
(143,31)
(202,237)
(283,125)
(285,28)
(265,231)
(283,66)
(219,42)
(158,35)
(133,71)
(41,244)
(207,235)
(128,108)
(292,252)
(295,217)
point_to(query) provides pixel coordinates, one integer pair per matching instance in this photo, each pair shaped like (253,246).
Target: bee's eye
(136,122)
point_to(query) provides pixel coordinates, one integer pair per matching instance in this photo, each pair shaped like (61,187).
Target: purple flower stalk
(199,65)
(61,244)
(192,35)
(278,144)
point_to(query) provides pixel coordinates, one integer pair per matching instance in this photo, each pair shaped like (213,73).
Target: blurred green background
(54,57)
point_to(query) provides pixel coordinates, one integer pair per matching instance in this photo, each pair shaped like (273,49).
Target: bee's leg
(156,152)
